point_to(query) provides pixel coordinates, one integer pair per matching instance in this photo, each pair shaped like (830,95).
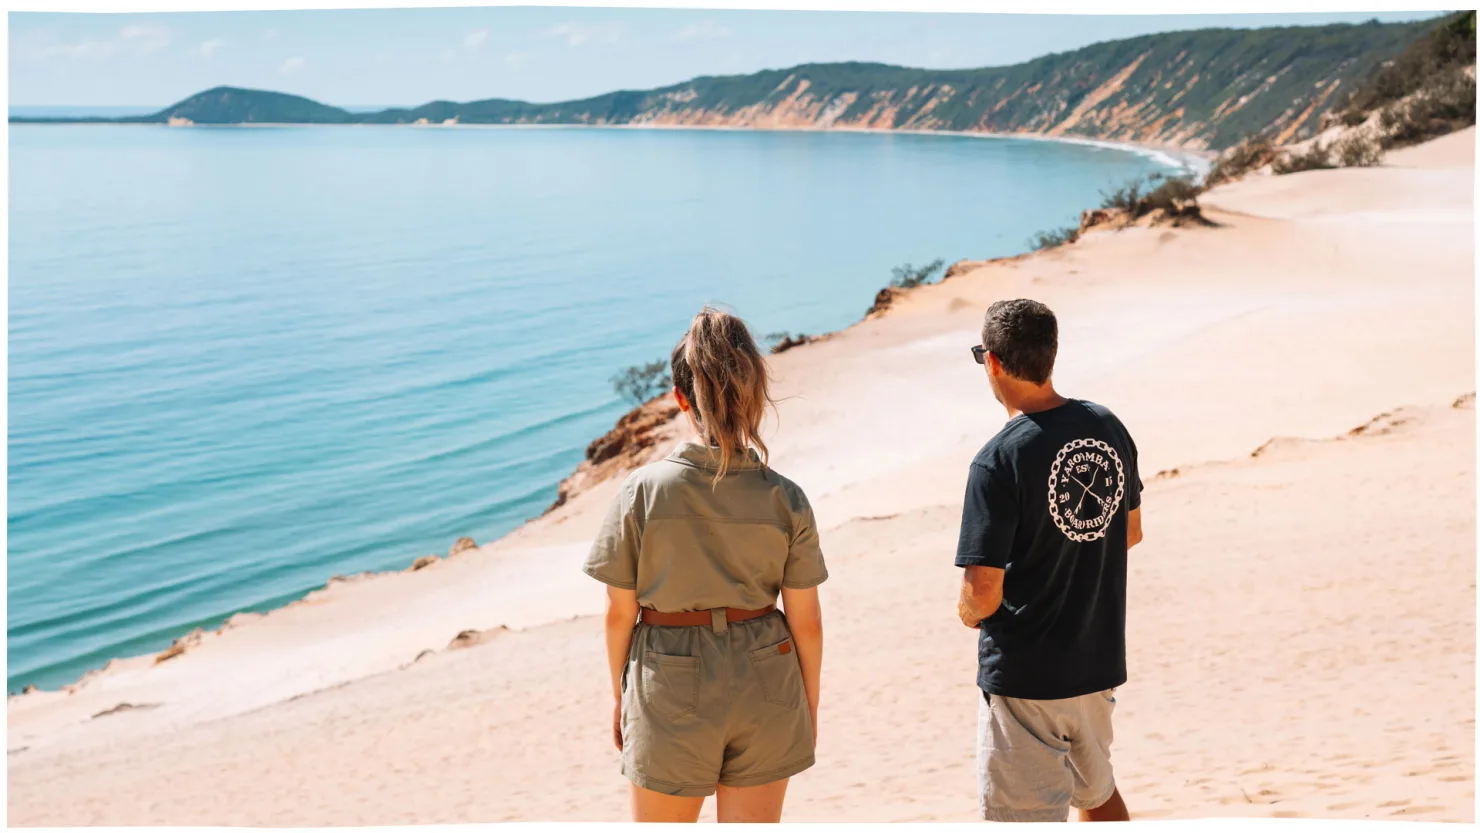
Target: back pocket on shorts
(779,673)
(670,684)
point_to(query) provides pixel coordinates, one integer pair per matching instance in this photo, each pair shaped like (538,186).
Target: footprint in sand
(1345,805)
(1402,802)
(1413,811)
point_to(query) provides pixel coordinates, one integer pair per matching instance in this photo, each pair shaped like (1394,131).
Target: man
(1052,505)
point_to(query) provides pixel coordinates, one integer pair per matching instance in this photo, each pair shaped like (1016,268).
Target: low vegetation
(783,341)
(1444,107)
(1054,238)
(908,276)
(1317,156)
(1252,153)
(639,383)
(1177,196)
(1428,86)
(1359,149)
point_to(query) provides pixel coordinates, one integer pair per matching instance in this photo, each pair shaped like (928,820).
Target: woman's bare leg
(655,806)
(751,804)
(1112,810)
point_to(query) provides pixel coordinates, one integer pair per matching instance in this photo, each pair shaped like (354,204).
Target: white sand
(1301,624)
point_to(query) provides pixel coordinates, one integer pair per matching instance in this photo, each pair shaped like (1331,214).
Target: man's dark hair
(1024,335)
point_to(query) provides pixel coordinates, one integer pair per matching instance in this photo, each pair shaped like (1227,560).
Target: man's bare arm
(1133,528)
(981,594)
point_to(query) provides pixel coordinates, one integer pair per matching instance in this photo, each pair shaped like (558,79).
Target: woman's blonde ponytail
(721,372)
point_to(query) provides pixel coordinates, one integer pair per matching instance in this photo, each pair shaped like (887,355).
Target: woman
(716,691)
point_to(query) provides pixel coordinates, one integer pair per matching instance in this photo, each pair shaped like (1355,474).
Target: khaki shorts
(1038,758)
(702,707)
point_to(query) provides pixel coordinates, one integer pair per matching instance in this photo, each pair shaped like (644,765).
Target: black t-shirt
(1047,501)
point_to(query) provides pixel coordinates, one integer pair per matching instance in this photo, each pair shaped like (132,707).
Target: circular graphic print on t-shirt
(1085,487)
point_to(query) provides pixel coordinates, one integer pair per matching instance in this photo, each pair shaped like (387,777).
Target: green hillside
(1200,89)
(229,105)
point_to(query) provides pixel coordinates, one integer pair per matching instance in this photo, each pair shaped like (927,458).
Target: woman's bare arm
(804,616)
(621,615)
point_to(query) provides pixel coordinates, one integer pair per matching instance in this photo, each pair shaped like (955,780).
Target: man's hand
(981,594)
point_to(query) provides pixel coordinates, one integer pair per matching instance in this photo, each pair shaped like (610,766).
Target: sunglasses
(979,353)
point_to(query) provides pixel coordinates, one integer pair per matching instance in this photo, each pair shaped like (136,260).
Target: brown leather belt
(699,617)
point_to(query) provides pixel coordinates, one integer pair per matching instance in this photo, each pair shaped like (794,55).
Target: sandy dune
(1301,624)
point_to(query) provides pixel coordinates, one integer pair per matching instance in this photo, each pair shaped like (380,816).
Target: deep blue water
(245,360)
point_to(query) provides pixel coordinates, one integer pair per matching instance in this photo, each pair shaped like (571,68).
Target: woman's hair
(719,370)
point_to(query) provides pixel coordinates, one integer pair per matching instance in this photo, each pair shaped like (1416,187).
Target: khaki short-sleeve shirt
(685,543)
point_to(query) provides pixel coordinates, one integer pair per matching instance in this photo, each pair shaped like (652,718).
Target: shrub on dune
(1316,157)
(1176,196)
(639,383)
(1446,106)
(908,276)
(1361,149)
(1054,238)
(1251,154)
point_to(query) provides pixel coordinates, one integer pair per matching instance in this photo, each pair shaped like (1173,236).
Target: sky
(405,57)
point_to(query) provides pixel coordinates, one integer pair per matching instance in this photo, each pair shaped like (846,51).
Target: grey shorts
(701,708)
(1038,758)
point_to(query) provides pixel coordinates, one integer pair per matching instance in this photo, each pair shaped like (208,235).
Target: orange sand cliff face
(1117,106)
(638,438)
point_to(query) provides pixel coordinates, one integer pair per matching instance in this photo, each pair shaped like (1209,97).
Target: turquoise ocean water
(245,360)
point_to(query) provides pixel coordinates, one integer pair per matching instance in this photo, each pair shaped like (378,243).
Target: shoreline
(1174,156)
(235,618)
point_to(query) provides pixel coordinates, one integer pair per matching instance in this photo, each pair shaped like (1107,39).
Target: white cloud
(579,34)
(707,30)
(130,41)
(142,40)
(382,58)
(475,40)
(291,66)
(207,48)
(517,59)
(471,43)
(271,34)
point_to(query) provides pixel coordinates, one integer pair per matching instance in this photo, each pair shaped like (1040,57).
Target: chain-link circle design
(1101,524)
